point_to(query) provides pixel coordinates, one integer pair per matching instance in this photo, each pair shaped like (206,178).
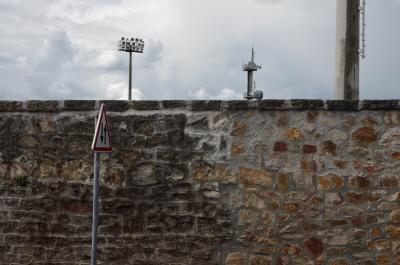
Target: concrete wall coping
(198,105)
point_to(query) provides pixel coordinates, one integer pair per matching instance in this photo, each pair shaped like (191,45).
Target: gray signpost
(101,144)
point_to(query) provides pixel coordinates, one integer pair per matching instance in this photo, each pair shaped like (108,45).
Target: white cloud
(119,91)
(224,94)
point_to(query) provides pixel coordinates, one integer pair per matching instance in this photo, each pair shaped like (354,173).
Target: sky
(67,49)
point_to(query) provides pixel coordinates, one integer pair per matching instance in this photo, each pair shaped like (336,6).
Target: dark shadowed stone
(309,149)
(343,105)
(145,105)
(272,104)
(10,106)
(204,105)
(79,104)
(174,104)
(70,124)
(280,147)
(116,105)
(241,104)
(307,104)
(198,123)
(329,147)
(359,182)
(379,105)
(312,116)
(42,105)
(314,246)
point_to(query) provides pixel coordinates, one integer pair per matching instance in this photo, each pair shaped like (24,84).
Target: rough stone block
(38,105)
(146,105)
(235,258)
(204,105)
(273,104)
(174,104)
(330,182)
(255,177)
(342,105)
(307,104)
(79,105)
(379,105)
(9,106)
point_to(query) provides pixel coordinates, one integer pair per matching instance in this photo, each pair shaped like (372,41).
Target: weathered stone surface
(388,182)
(10,106)
(310,104)
(174,104)
(379,104)
(314,246)
(391,138)
(235,258)
(239,129)
(201,105)
(202,182)
(256,177)
(280,146)
(329,147)
(237,150)
(79,104)
(309,149)
(38,105)
(330,182)
(260,260)
(359,182)
(339,262)
(364,136)
(291,249)
(342,105)
(293,134)
(273,104)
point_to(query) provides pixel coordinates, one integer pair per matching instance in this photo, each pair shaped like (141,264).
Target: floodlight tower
(250,68)
(130,45)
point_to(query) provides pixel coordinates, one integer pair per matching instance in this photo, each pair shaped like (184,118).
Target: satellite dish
(258,94)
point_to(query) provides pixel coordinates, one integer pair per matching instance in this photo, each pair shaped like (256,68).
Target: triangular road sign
(101,141)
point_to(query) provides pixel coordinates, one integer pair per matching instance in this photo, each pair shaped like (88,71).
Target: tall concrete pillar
(347,49)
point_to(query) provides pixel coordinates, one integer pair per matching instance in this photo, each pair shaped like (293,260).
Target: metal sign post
(95,207)
(101,144)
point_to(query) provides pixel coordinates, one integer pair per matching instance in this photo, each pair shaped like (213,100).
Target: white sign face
(101,141)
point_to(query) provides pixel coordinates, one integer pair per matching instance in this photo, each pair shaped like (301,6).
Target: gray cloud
(266,2)
(67,49)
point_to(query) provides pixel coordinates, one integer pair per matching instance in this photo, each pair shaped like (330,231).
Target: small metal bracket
(362,50)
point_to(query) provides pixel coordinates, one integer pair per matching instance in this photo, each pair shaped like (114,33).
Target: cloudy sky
(67,49)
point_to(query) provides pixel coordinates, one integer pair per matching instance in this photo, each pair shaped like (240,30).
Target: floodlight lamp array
(131,45)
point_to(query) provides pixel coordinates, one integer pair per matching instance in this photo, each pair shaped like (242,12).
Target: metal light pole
(130,45)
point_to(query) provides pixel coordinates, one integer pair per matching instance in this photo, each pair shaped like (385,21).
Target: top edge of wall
(197,105)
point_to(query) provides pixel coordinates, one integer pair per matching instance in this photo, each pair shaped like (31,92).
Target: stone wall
(203,182)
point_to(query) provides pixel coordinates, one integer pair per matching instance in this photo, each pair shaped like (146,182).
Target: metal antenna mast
(250,68)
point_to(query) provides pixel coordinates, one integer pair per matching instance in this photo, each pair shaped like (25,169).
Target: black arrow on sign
(101,135)
(105,134)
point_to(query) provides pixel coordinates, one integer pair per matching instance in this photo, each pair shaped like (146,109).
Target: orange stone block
(293,134)
(364,136)
(256,177)
(330,182)
(236,258)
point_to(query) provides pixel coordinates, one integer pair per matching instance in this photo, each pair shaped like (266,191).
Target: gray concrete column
(347,49)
